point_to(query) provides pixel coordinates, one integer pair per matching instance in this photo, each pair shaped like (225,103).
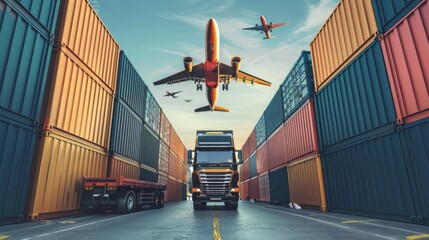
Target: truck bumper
(204,198)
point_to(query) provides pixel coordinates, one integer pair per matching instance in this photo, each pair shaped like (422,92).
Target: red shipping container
(245,171)
(254,189)
(244,190)
(262,159)
(252,142)
(406,50)
(276,150)
(245,150)
(300,133)
(264,188)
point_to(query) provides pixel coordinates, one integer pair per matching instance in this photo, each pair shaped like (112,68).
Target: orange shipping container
(348,31)
(262,159)
(306,183)
(181,151)
(60,162)
(174,141)
(264,188)
(77,101)
(122,166)
(173,165)
(81,30)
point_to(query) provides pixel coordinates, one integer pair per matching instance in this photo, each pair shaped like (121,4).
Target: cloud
(317,15)
(167,51)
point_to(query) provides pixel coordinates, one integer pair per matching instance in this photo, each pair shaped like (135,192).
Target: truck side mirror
(190,158)
(240,156)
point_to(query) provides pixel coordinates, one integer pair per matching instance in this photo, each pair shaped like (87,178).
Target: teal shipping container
(260,131)
(153,113)
(253,166)
(148,176)
(272,114)
(279,186)
(388,13)
(150,148)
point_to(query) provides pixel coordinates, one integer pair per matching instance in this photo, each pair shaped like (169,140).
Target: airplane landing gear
(225,87)
(199,86)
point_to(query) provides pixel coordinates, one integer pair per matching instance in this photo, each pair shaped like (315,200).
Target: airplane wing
(278,24)
(176,92)
(226,70)
(255,28)
(183,76)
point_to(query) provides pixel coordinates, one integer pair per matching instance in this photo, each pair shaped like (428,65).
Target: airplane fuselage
(212,60)
(265,27)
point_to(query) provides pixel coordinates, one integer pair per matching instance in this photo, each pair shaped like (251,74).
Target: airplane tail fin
(215,108)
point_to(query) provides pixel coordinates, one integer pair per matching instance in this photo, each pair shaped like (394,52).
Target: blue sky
(157,34)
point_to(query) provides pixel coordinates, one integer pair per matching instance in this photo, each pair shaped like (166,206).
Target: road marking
(422,236)
(359,221)
(4,236)
(313,215)
(216,227)
(67,222)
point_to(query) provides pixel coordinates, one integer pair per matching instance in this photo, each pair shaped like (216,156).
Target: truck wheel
(198,206)
(126,202)
(233,206)
(161,200)
(155,200)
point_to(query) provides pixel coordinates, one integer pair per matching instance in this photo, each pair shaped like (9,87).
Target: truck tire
(161,200)
(233,206)
(155,201)
(126,202)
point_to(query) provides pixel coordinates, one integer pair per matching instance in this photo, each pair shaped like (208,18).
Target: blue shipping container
(149,176)
(252,165)
(273,114)
(356,100)
(153,113)
(25,52)
(45,12)
(298,85)
(279,186)
(150,148)
(388,13)
(260,131)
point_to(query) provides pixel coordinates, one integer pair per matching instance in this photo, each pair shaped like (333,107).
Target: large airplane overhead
(212,72)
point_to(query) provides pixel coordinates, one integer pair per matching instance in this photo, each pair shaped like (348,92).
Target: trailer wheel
(126,202)
(161,200)
(155,201)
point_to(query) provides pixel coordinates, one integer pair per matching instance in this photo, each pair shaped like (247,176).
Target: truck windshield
(214,156)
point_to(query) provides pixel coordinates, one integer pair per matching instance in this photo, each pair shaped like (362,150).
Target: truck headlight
(196,190)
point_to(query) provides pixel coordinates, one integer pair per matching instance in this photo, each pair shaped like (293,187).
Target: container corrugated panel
(405,50)
(25,52)
(357,100)
(174,141)
(181,153)
(253,166)
(279,186)
(252,141)
(272,114)
(298,85)
(172,193)
(262,159)
(153,113)
(245,149)
(264,188)
(260,131)
(130,86)
(301,133)
(173,165)
(349,30)
(77,101)
(306,183)
(254,189)
(388,13)
(164,158)
(122,166)
(148,175)
(184,173)
(17,142)
(415,142)
(127,132)
(81,30)
(164,133)
(150,148)
(44,11)
(245,171)
(244,190)
(361,179)
(162,178)
(60,162)
(276,149)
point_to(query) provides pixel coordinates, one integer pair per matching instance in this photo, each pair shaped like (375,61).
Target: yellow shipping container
(81,30)
(348,31)
(306,183)
(122,166)
(77,101)
(60,162)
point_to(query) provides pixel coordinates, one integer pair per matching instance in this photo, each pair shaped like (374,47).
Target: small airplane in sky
(212,72)
(265,28)
(188,100)
(171,94)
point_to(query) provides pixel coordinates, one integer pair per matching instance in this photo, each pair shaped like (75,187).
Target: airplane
(188,100)
(171,94)
(267,28)
(212,72)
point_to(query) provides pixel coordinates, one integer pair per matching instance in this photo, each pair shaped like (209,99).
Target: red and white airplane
(212,72)
(171,94)
(266,28)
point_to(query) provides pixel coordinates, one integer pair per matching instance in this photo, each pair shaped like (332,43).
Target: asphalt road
(250,221)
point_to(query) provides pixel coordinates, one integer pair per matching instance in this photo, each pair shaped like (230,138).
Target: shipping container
(260,131)
(182,154)
(244,190)
(60,162)
(388,13)
(25,51)
(252,142)
(77,101)
(298,85)
(272,115)
(357,100)
(174,190)
(45,12)
(127,132)
(264,188)
(17,142)
(301,133)
(360,179)
(306,183)
(276,148)
(150,148)
(347,32)
(162,178)
(245,149)
(253,166)
(130,86)
(405,49)
(164,158)
(174,165)
(80,30)
(164,133)
(279,186)
(153,113)
(415,142)
(254,189)
(122,166)
(245,170)
(262,159)
(148,174)
(174,141)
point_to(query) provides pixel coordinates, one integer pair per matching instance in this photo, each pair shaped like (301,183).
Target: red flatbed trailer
(121,194)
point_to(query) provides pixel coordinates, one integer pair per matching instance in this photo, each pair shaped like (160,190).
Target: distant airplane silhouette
(188,100)
(265,28)
(171,94)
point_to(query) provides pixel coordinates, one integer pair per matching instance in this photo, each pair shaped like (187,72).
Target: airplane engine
(235,64)
(187,62)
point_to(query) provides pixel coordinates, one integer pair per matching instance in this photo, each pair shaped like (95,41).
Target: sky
(157,34)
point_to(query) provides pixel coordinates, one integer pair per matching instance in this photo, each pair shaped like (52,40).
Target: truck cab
(215,176)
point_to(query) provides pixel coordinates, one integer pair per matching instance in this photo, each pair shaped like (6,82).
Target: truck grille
(215,183)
